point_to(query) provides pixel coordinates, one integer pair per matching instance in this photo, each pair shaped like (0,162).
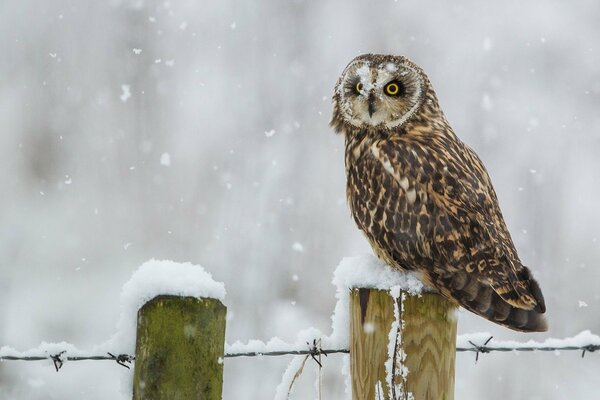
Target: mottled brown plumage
(423,198)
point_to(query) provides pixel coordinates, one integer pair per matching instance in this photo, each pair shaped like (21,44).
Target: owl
(423,198)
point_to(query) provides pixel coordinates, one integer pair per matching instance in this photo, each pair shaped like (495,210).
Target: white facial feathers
(365,100)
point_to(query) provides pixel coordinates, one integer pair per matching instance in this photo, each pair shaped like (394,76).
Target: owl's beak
(371,101)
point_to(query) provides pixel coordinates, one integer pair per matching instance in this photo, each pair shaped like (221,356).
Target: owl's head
(378,91)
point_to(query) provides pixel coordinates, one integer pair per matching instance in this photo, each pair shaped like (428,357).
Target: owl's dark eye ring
(358,87)
(393,88)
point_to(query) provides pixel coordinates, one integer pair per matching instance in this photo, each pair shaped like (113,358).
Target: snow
(365,271)
(487,43)
(165,159)
(368,271)
(125,93)
(395,336)
(43,350)
(364,75)
(304,340)
(297,246)
(486,102)
(583,338)
(285,388)
(153,278)
(157,277)
(35,383)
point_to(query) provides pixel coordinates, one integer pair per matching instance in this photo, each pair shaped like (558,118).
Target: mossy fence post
(422,362)
(179,349)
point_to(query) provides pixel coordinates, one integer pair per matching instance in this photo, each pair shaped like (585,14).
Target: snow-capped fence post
(402,345)
(179,349)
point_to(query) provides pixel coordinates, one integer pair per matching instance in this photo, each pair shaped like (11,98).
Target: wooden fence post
(425,346)
(179,349)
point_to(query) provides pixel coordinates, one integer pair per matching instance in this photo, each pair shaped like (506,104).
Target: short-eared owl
(423,198)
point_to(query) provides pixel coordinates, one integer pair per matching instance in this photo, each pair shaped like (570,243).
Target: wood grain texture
(426,346)
(429,341)
(179,349)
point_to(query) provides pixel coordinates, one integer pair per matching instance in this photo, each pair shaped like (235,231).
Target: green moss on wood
(179,349)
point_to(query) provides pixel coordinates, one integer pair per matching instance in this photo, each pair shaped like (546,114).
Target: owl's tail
(481,298)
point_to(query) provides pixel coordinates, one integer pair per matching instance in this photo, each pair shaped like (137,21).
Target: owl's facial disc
(376,94)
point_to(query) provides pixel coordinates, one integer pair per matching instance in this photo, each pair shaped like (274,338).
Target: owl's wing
(464,231)
(470,200)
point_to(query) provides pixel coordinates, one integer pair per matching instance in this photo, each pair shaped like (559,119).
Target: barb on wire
(591,348)
(315,351)
(59,359)
(481,349)
(123,359)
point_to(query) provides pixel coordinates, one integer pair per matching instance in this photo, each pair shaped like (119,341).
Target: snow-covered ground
(198,131)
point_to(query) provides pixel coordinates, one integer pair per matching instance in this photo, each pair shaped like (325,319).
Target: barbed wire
(484,349)
(59,359)
(313,350)
(477,349)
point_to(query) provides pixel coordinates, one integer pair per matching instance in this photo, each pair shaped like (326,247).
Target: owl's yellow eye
(392,88)
(358,87)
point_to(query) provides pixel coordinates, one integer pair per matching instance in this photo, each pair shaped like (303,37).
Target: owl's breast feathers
(426,203)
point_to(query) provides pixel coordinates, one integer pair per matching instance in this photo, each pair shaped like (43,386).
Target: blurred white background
(234,98)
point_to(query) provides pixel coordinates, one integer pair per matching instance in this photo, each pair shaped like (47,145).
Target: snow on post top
(367,271)
(154,278)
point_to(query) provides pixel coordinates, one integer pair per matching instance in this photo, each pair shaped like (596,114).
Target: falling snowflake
(165,159)
(297,246)
(125,93)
